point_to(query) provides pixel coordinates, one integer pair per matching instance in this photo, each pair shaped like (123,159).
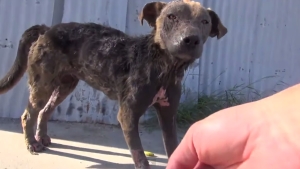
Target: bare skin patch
(160,98)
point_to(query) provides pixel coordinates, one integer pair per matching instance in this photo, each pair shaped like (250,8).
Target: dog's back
(65,35)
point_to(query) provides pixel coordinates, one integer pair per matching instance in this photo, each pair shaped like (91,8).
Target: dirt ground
(76,146)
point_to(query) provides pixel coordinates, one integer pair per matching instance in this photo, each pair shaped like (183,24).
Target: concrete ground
(76,146)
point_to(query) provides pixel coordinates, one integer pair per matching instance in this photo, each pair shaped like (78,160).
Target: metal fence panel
(260,51)
(15,17)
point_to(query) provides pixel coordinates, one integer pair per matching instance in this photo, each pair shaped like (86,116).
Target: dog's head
(182,26)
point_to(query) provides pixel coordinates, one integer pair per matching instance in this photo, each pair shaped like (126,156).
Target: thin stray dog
(139,71)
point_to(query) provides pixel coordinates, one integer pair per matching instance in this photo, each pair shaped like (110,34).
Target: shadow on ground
(102,164)
(94,134)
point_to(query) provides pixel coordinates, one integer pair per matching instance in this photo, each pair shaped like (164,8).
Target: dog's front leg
(128,117)
(167,118)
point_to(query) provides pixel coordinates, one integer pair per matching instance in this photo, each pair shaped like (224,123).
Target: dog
(137,71)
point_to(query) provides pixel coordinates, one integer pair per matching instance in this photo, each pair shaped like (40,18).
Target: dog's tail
(20,65)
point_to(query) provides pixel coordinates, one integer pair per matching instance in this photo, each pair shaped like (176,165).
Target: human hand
(257,135)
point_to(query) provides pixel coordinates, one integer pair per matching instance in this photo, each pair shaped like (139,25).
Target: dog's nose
(191,42)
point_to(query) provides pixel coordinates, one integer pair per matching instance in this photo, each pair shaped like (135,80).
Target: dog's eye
(172,17)
(204,22)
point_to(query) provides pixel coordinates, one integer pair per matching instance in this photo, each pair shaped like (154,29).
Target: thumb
(185,156)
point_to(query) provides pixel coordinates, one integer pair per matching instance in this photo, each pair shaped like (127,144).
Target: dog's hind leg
(42,101)
(37,100)
(43,116)
(57,96)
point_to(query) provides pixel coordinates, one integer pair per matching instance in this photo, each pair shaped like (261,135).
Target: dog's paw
(45,140)
(35,147)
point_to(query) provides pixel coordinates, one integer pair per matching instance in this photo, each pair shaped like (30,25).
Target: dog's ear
(217,29)
(151,11)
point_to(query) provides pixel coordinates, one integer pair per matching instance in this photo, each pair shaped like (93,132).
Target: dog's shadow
(101,164)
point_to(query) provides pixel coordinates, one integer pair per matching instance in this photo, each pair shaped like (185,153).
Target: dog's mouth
(187,56)
(184,57)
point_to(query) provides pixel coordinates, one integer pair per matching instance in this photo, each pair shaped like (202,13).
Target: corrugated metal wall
(15,17)
(260,50)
